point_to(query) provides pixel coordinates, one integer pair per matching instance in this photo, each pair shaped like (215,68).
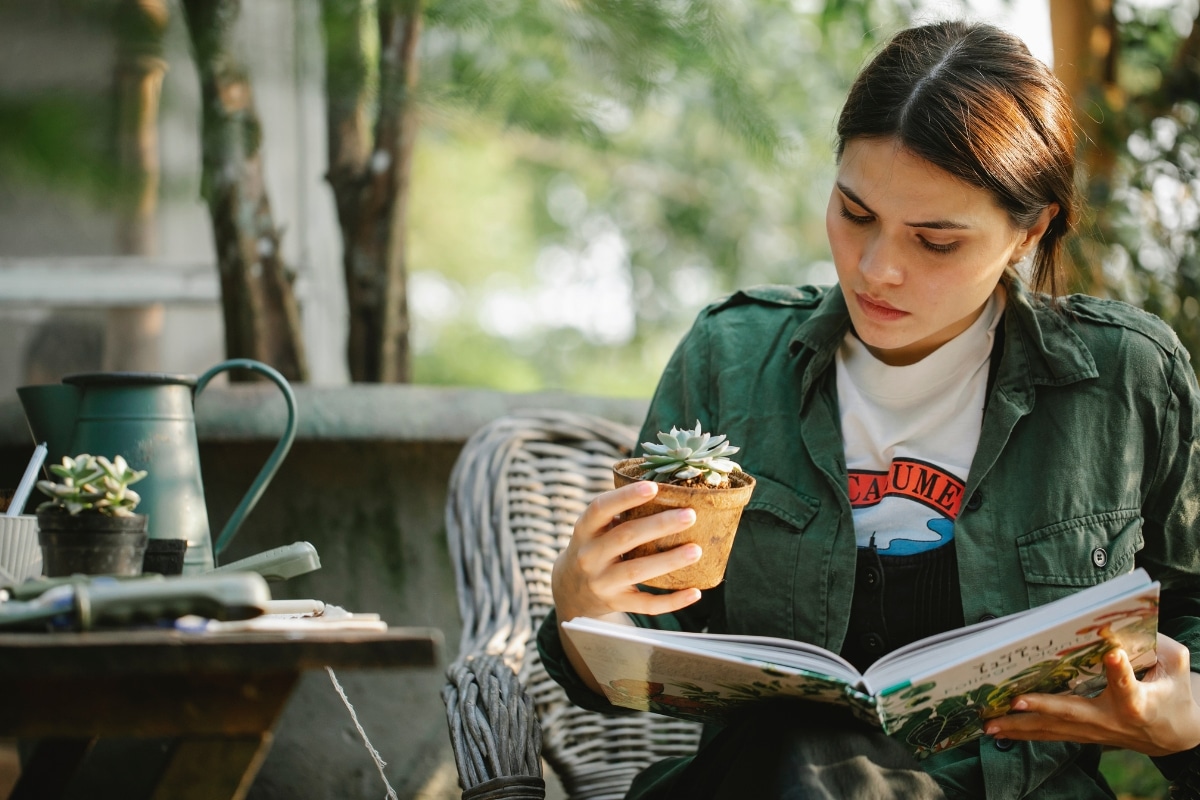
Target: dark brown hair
(971,99)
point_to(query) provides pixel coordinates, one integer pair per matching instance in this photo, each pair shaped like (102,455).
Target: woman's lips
(879,310)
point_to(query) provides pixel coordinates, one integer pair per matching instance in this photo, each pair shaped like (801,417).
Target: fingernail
(686,515)
(646,488)
(1020,705)
(694,552)
(991,730)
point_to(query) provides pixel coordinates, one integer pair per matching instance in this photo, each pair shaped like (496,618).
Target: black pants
(794,751)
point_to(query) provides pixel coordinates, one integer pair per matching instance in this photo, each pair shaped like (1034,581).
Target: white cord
(379,762)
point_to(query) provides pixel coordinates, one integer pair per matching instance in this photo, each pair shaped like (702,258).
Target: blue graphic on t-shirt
(898,546)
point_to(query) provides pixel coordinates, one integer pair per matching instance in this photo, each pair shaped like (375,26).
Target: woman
(1062,434)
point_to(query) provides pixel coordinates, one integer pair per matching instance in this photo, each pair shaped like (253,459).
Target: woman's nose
(880,263)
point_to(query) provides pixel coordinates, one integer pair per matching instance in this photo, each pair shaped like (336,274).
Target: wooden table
(216,696)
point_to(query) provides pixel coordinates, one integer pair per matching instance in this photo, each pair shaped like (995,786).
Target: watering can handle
(281,449)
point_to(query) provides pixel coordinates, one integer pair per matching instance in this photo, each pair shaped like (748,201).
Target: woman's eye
(854,218)
(939,248)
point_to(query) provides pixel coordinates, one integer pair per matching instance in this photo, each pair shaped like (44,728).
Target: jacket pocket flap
(774,498)
(1083,551)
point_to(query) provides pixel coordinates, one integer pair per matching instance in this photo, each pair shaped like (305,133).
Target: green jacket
(1088,465)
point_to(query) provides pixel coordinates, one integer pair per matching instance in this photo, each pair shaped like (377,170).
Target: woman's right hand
(590,578)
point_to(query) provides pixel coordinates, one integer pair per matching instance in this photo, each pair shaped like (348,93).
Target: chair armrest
(493,728)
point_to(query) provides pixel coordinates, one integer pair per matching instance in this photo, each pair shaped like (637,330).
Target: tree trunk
(1086,50)
(370,180)
(133,333)
(262,319)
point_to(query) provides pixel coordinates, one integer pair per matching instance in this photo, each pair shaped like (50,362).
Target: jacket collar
(816,339)
(1040,348)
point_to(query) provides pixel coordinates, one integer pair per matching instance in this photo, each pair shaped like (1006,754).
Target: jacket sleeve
(1171,523)
(680,399)
(1171,512)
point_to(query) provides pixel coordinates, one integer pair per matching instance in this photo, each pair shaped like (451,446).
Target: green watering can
(147,417)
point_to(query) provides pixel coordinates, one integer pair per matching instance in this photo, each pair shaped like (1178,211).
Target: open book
(932,695)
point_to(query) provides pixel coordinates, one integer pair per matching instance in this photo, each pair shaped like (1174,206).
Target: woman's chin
(881,338)
(896,351)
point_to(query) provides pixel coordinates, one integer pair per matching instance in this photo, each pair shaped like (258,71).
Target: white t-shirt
(910,434)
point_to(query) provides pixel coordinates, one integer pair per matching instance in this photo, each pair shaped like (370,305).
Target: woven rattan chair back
(515,493)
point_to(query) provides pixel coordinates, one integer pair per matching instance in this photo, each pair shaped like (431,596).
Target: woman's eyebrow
(935,224)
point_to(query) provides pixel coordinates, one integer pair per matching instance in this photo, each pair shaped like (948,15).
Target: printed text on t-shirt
(917,480)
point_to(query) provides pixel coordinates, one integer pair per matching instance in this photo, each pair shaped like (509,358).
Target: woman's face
(918,251)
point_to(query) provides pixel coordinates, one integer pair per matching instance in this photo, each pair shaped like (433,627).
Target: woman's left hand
(1156,715)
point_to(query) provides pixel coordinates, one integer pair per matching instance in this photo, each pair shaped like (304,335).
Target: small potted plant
(695,472)
(89,525)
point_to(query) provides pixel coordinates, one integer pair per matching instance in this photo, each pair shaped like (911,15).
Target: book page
(785,652)
(938,651)
(947,706)
(693,677)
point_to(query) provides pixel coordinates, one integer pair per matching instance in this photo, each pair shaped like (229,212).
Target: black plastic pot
(165,556)
(91,544)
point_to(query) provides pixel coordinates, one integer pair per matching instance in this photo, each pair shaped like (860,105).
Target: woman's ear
(1034,233)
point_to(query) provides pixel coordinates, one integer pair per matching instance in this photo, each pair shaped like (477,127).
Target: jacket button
(975,501)
(986,617)
(1004,744)
(871,576)
(1100,557)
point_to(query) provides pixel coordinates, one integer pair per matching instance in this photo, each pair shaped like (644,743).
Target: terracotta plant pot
(717,515)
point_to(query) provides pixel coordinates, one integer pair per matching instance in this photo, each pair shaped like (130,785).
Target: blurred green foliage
(1145,218)
(61,138)
(591,172)
(59,135)
(1133,776)
(670,151)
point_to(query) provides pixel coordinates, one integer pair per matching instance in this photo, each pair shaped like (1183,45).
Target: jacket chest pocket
(1063,558)
(760,580)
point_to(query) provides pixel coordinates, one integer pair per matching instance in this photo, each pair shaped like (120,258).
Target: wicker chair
(515,493)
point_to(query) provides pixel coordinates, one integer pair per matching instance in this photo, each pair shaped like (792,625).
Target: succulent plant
(92,483)
(681,456)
